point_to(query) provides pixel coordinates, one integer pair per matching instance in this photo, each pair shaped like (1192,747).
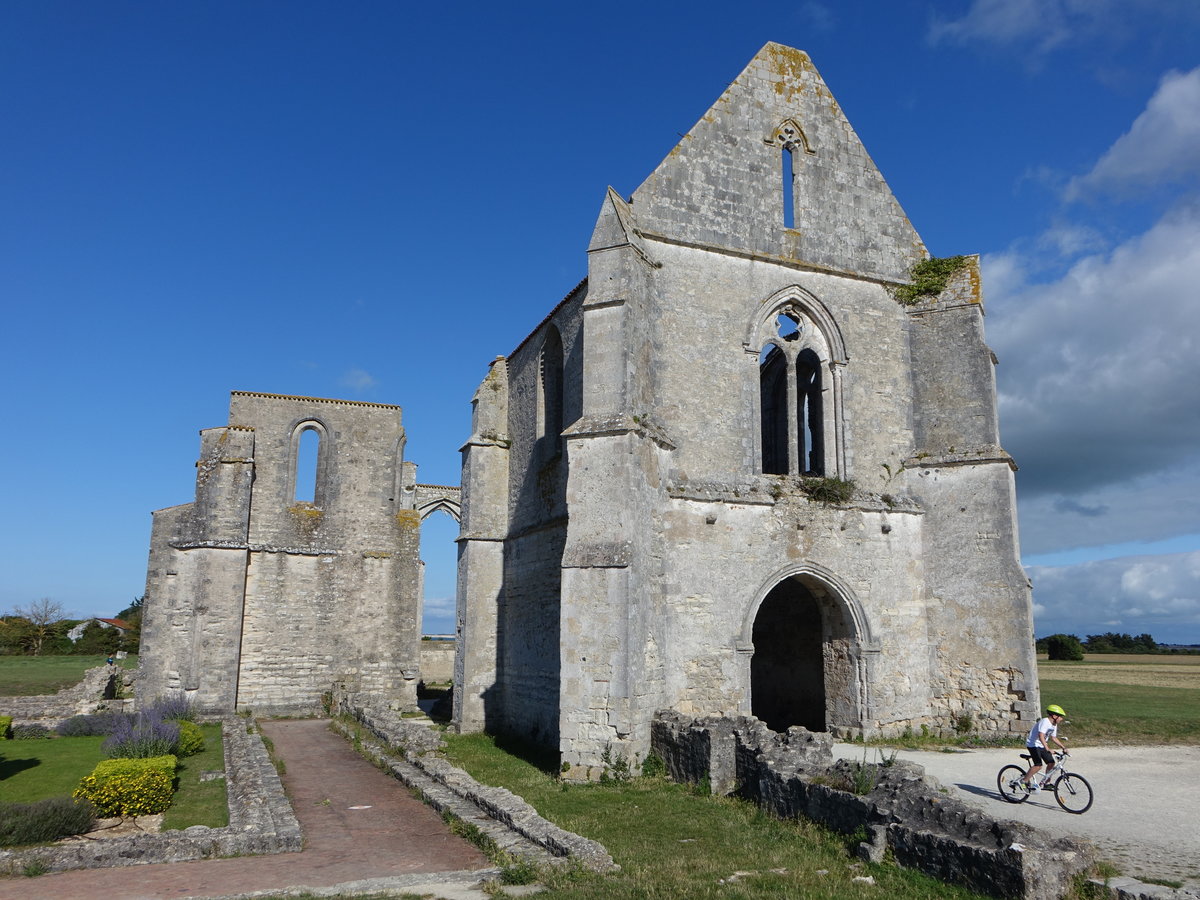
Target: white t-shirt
(1044,726)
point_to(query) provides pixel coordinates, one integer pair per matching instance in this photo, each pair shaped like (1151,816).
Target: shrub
(30,732)
(90,726)
(173,709)
(1064,646)
(191,739)
(130,787)
(141,736)
(45,820)
(5,728)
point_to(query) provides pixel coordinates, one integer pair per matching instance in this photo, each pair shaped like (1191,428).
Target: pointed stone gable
(723,184)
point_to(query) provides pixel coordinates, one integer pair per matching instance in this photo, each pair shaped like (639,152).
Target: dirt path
(359,824)
(1145,819)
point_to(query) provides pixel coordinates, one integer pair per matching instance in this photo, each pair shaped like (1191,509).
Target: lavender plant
(141,736)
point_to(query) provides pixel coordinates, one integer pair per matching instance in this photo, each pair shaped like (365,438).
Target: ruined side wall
(333,586)
(528,631)
(981,618)
(195,580)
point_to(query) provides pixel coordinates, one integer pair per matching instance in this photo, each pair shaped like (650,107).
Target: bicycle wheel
(1073,793)
(1008,782)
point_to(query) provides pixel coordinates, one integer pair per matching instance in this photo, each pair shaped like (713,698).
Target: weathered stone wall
(437,662)
(902,809)
(102,687)
(257,600)
(679,542)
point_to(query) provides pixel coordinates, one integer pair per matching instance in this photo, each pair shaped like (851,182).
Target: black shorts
(1041,756)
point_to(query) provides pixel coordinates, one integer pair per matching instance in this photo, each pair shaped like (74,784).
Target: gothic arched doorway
(804,669)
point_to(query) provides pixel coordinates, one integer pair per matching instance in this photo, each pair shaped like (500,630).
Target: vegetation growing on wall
(929,278)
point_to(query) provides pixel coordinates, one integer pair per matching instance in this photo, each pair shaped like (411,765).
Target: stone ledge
(506,819)
(260,821)
(904,811)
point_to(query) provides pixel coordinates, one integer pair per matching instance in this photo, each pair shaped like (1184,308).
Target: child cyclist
(1040,735)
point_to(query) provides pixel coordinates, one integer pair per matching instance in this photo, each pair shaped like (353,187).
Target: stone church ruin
(750,465)
(258,596)
(747,466)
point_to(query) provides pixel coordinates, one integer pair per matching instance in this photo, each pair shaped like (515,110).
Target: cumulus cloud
(1158,595)
(1097,369)
(358,380)
(1161,147)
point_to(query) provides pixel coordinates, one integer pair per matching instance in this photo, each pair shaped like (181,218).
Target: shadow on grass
(10,767)
(537,755)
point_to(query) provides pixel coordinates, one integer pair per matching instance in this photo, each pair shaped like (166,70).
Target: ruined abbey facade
(746,466)
(739,469)
(287,575)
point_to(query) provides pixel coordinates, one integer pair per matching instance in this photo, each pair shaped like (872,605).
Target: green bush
(191,739)
(30,731)
(1064,646)
(45,820)
(5,728)
(130,787)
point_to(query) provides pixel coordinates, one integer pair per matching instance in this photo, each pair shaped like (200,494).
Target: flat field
(30,676)
(1126,698)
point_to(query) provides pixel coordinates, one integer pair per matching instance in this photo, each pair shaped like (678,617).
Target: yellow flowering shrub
(5,728)
(130,787)
(191,738)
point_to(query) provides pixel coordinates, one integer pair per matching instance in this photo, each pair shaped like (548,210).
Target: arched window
(307,469)
(550,388)
(799,414)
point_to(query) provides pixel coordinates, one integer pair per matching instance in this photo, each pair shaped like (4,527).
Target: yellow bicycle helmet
(1055,709)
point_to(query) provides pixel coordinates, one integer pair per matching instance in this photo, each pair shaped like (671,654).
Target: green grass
(1126,713)
(672,842)
(28,676)
(200,802)
(35,770)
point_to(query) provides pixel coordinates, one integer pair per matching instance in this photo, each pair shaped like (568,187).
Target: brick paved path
(393,835)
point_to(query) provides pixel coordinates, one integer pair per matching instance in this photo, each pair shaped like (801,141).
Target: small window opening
(551,411)
(307,456)
(787,326)
(773,397)
(789,210)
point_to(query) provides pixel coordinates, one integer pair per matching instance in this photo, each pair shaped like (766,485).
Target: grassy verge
(673,842)
(36,770)
(1101,713)
(29,676)
(200,802)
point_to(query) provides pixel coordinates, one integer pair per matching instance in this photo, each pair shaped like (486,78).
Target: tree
(44,617)
(1064,646)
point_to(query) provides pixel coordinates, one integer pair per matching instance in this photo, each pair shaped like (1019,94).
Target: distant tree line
(40,629)
(1069,647)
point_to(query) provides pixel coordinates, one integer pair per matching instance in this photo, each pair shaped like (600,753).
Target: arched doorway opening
(804,670)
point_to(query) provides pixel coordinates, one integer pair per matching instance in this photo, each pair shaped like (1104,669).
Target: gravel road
(1145,818)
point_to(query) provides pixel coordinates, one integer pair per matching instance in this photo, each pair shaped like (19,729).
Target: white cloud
(1097,369)
(1161,147)
(1159,595)
(358,380)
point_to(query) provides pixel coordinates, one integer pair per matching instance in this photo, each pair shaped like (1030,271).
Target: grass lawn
(672,842)
(28,676)
(1101,713)
(35,770)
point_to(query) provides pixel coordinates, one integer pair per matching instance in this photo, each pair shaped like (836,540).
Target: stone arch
(298,429)
(805,642)
(442,504)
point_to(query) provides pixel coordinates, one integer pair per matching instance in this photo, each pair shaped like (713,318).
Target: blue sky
(372,200)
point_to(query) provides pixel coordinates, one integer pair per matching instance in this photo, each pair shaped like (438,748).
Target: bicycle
(1072,791)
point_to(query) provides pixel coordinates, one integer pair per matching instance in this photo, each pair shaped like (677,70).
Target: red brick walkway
(391,834)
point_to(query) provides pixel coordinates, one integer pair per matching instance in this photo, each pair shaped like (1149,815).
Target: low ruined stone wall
(437,662)
(101,688)
(260,821)
(409,752)
(900,808)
